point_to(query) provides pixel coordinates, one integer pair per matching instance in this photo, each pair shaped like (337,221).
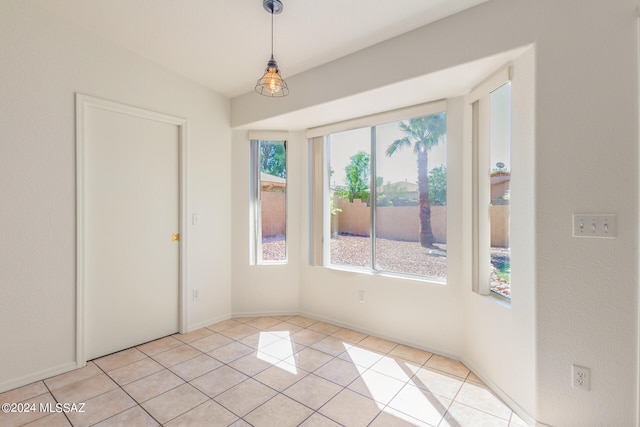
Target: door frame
(83,104)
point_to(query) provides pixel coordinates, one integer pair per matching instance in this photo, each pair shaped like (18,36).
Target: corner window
(500,180)
(491,115)
(387,197)
(269,201)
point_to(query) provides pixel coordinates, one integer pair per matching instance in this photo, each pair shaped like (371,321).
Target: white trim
(239,314)
(255,223)
(80,119)
(475,241)
(335,322)
(206,323)
(317,192)
(479,99)
(512,404)
(481,231)
(38,376)
(637,399)
(183,316)
(84,102)
(491,83)
(269,135)
(380,118)
(255,202)
(377,334)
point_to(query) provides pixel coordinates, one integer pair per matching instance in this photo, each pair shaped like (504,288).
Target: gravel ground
(273,248)
(391,255)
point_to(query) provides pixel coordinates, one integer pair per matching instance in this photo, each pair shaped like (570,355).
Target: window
(386,197)
(500,179)
(491,109)
(269,194)
(349,197)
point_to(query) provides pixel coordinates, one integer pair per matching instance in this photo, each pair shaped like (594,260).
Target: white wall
(580,295)
(44,62)
(500,338)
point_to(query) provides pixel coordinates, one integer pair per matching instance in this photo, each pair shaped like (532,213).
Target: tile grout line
(314,411)
(454,400)
(299,347)
(227,364)
(55,399)
(278,392)
(131,397)
(93,397)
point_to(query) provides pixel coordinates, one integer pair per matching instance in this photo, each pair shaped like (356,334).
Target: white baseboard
(522,413)
(264,313)
(208,322)
(37,376)
(358,328)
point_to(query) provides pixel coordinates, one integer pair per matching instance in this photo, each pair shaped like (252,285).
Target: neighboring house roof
(403,186)
(500,176)
(500,181)
(272,182)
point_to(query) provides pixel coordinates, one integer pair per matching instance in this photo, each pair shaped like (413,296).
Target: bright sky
(402,165)
(501,126)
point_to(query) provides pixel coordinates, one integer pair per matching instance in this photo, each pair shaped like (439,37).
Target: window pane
(273,200)
(349,165)
(500,179)
(411,201)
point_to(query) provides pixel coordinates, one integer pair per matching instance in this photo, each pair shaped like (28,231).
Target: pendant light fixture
(271,83)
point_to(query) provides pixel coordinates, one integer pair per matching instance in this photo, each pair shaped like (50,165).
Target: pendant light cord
(271,83)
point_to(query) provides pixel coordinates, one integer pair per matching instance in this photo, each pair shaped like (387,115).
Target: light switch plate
(595,225)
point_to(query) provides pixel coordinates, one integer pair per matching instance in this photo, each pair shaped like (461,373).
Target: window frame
(255,199)
(319,165)
(479,100)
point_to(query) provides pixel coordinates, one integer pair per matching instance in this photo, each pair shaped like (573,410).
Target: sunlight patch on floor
(390,385)
(275,346)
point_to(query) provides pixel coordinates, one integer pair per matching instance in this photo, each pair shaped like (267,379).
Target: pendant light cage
(271,83)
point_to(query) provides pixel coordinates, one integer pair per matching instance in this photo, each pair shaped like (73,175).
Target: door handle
(175,237)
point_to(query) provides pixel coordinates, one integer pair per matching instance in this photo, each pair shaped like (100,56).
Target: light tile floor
(266,371)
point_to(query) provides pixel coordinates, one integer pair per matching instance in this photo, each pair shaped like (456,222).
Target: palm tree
(423,133)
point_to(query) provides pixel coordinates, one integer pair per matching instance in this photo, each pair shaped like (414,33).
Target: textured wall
(264,289)
(575,301)
(45,61)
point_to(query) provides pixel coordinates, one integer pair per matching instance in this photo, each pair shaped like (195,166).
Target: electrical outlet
(361,296)
(581,377)
(196,295)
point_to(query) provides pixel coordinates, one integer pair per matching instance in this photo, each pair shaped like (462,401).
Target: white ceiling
(225,45)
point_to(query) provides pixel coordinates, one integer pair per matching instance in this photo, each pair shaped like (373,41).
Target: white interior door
(131,210)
